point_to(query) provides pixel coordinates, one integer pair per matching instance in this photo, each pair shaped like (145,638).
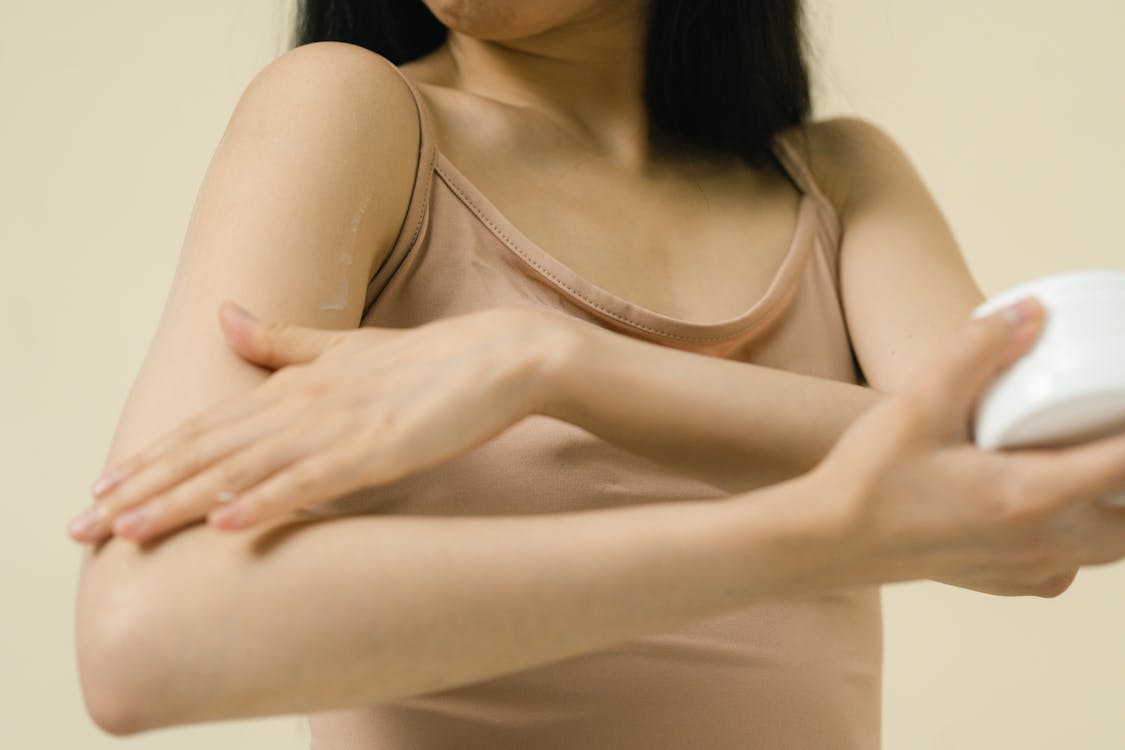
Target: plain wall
(1011,111)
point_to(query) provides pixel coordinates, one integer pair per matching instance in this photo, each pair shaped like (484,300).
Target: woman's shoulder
(349,115)
(847,156)
(342,76)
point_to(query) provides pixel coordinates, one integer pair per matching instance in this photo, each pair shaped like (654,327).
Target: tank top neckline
(601,301)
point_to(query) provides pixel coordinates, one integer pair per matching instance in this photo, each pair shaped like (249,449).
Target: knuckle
(272,333)
(978,333)
(340,420)
(1023,498)
(254,502)
(193,425)
(163,510)
(164,507)
(309,474)
(178,497)
(232,475)
(275,328)
(968,346)
(127,468)
(999,511)
(957,349)
(188,458)
(156,450)
(375,438)
(377,423)
(184,431)
(1008,502)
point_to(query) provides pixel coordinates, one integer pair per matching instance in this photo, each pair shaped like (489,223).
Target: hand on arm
(734,425)
(905,288)
(291,616)
(926,503)
(343,411)
(735,443)
(904,283)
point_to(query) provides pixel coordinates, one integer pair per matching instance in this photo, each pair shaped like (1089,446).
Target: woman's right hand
(923,502)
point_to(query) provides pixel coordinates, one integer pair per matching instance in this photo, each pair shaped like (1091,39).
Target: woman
(650,391)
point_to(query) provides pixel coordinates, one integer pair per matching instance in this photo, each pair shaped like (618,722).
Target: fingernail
(84,524)
(106,482)
(133,522)
(1020,312)
(227,517)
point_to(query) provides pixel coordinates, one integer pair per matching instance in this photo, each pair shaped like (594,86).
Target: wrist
(869,552)
(801,533)
(562,347)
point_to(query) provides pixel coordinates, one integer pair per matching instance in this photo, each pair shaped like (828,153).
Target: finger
(1092,470)
(273,344)
(233,408)
(239,472)
(1057,584)
(955,377)
(309,481)
(179,463)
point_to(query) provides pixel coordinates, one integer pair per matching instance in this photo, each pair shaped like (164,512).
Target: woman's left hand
(343,411)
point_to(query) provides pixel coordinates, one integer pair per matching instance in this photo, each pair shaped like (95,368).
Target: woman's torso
(724,261)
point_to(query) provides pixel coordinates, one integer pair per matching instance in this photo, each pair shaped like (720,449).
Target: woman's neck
(586,76)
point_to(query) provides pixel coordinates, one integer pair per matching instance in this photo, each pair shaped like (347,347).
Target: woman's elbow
(109,709)
(119,676)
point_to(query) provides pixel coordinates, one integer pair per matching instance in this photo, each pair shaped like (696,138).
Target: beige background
(1010,109)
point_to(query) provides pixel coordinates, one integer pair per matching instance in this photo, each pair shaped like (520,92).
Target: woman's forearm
(733,424)
(310,616)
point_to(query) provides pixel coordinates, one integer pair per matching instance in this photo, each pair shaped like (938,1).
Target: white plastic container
(1070,387)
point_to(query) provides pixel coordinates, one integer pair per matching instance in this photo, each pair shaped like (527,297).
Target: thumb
(985,345)
(274,344)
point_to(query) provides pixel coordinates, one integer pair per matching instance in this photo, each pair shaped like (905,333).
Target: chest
(699,247)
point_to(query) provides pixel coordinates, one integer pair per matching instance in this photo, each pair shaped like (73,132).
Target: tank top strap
(418,210)
(795,162)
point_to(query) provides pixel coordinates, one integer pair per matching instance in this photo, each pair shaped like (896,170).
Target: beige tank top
(800,673)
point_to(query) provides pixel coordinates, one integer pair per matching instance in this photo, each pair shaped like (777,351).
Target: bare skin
(564,99)
(566,190)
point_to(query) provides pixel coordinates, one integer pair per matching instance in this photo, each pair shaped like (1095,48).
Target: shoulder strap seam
(801,173)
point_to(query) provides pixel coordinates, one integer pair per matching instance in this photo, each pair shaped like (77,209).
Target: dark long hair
(722,76)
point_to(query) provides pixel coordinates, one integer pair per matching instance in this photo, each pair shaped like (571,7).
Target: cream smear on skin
(347,251)
(347,246)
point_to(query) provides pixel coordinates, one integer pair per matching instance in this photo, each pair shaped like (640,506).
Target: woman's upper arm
(904,282)
(304,196)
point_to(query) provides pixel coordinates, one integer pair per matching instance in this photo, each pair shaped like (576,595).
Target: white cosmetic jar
(1070,386)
